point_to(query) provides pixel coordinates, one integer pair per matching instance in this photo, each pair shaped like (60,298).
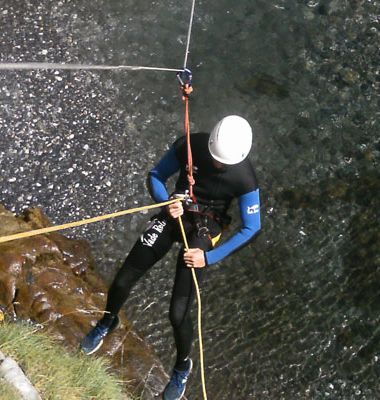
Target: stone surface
(49,280)
(13,374)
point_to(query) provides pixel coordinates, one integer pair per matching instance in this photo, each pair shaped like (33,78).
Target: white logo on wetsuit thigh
(149,239)
(158,225)
(253,209)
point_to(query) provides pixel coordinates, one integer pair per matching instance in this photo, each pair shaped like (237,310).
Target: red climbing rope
(185,79)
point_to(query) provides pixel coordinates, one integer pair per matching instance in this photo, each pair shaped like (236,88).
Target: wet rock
(10,223)
(265,85)
(49,280)
(350,76)
(348,189)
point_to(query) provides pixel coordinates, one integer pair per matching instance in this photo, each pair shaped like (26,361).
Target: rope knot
(191,180)
(186,91)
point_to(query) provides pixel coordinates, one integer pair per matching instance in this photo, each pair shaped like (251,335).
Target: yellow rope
(55,228)
(199,313)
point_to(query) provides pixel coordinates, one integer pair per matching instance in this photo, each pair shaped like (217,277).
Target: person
(222,172)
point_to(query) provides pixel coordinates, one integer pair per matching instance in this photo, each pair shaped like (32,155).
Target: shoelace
(180,378)
(101,330)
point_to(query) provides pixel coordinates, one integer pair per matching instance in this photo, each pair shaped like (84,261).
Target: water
(295,315)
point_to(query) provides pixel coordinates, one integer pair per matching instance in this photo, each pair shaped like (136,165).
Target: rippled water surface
(295,315)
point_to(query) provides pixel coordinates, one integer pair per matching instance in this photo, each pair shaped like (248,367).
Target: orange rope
(190,177)
(186,91)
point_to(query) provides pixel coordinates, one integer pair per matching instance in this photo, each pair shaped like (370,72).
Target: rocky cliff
(50,280)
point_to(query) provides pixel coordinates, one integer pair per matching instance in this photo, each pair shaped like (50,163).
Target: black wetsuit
(214,189)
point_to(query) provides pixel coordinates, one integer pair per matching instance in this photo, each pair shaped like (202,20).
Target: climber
(222,172)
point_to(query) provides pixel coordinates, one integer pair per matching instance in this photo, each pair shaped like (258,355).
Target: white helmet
(231,140)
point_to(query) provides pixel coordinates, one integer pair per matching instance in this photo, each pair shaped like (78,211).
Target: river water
(295,315)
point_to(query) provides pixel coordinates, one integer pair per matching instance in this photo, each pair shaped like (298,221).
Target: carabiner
(185,77)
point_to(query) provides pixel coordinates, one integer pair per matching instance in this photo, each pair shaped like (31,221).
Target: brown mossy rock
(10,223)
(50,280)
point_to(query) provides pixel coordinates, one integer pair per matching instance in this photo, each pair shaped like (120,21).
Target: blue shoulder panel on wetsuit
(249,204)
(158,176)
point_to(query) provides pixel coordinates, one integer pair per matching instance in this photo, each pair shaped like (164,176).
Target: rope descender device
(185,79)
(189,203)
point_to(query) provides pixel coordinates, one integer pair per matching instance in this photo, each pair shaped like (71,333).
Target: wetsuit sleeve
(158,176)
(249,204)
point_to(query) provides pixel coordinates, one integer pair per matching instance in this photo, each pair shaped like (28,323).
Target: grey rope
(43,65)
(73,67)
(189,34)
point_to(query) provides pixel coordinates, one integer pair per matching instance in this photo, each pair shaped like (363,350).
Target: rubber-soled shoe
(94,339)
(176,387)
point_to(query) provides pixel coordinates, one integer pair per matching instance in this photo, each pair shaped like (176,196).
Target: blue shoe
(94,339)
(176,387)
